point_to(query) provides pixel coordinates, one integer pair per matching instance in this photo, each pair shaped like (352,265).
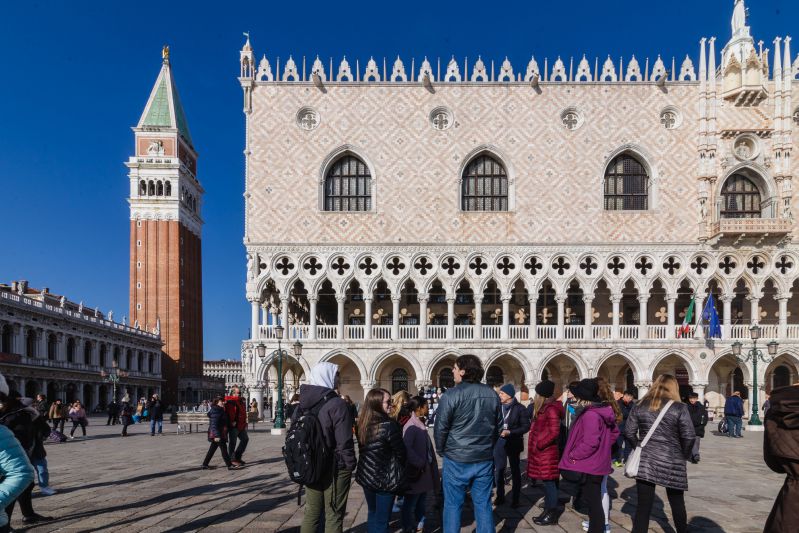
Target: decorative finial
(165,53)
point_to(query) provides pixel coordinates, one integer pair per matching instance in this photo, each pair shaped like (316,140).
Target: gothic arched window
(484,185)
(30,343)
(151,188)
(348,185)
(626,185)
(782,377)
(5,342)
(399,380)
(740,198)
(168,188)
(159,188)
(71,350)
(494,376)
(143,188)
(52,347)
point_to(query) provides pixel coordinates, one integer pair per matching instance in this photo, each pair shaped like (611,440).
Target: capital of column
(396,299)
(368,384)
(341,298)
(478,299)
(588,299)
(531,385)
(451,299)
(423,383)
(671,297)
(315,299)
(616,298)
(506,298)
(423,297)
(643,299)
(755,297)
(646,384)
(367,299)
(284,300)
(698,384)
(783,296)
(560,298)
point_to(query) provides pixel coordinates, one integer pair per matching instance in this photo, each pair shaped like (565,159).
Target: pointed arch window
(348,185)
(494,376)
(626,185)
(484,185)
(399,380)
(740,198)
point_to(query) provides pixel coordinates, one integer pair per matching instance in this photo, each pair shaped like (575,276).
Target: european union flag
(712,317)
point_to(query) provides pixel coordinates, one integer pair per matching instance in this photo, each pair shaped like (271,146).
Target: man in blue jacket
(734,411)
(468,424)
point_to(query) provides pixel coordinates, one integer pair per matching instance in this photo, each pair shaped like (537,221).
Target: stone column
(258,394)
(422,297)
(615,299)
(255,309)
(18,340)
(726,328)
(450,319)
(312,328)
(96,394)
(783,327)
(61,347)
(273,394)
(41,340)
(642,317)
(395,317)
(643,388)
(560,300)
(367,385)
(340,299)
(533,301)
(505,331)
(754,309)
(699,305)
(699,388)
(589,317)
(21,382)
(478,316)
(284,318)
(367,305)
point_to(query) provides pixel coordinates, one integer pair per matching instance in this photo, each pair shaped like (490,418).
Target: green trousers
(331,501)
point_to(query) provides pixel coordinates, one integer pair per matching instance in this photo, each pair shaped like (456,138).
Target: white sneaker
(47,491)
(585,526)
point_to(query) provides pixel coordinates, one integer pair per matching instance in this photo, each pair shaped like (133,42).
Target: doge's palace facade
(555,219)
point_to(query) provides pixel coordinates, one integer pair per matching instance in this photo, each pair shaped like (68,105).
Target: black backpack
(306,453)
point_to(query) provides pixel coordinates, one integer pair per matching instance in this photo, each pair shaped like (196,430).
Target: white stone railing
(519,332)
(354,332)
(628,332)
(437,332)
(381,332)
(409,332)
(656,332)
(464,332)
(602,332)
(546,332)
(572,332)
(326,332)
(492,332)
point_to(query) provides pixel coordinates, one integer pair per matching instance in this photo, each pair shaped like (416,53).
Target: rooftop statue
(738,17)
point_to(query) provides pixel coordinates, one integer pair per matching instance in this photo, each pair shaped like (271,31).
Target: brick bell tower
(166,234)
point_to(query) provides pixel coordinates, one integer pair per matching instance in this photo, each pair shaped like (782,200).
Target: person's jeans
(413,508)
(515,475)
(457,478)
(75,424)
(592,495)
(234,435)
(25,503)
(379,515)
(551,494)
(58,422)
(646,497)
(330,501)
(695,450)
(41,471)
(734,425)
(153,422)
(212,449)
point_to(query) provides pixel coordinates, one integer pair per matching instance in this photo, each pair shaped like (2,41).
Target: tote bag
(631,467)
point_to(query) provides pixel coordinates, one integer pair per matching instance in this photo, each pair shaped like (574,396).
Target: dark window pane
(626,185)
(348,186)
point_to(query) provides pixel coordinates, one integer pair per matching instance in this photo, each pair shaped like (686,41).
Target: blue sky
(76,76)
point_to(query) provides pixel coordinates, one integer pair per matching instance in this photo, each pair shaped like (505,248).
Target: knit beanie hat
(546,388)
(508,389)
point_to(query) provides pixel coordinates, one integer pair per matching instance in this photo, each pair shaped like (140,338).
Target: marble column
(340,299)
(284,318)
(699,305)
(782,300)
(726,328)
(258,394)
(422,297)
(643,388)
(615,299)
(478,316)
(561,301)
(367,305)
(505,331)
(313,301)
(589,317)
(754,309)
(450,319)
(533,301)
(642,317)
(367,385)
(395,317)
(699,388)
(255,309)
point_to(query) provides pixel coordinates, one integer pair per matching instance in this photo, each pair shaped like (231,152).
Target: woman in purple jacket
(588,449)
(421,467)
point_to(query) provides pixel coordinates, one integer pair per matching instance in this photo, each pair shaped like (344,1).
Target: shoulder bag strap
(657,421)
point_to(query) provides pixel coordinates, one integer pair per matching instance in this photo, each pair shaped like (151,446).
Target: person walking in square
(663,459)
(125,415)
(509,447)
(155,410)
(328,498)
(381,459)
(588,448)
(421,468)
(699,420)
(77,414)
(217,434)
(236,411)
(113,413)
(468,424)
(781,454)
(734,412)
(59,413)
(542,449)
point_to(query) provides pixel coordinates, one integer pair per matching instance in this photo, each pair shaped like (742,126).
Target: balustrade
(656,332)
(573,332)
(381,332)
(492,332)
(437,332)
(547,332)
(628,332)
(519,332)
(409,332)
(464,332)
(602,332)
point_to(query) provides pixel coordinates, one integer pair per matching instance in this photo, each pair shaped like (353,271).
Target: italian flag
(685,329)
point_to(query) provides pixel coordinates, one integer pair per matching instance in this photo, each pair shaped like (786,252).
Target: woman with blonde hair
(399,407)
(663,459)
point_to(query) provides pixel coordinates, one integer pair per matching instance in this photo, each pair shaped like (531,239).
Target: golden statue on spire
(165,53)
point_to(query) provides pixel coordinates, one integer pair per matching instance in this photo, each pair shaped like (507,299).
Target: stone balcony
(755,227)
(526,333)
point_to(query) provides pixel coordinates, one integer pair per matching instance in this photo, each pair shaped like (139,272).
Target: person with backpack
(59,413)
(236,411)
(217,434)
(319,451)
(421,468)
(663,454)
(382,457)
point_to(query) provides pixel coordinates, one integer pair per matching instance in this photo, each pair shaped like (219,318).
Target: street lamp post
(114,376)
(280,425)
(754,355)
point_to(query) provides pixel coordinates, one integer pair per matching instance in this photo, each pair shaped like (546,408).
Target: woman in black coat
(381,458)
(217,434)
(663,459)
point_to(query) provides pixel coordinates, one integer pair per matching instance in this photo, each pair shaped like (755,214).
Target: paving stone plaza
(144,483)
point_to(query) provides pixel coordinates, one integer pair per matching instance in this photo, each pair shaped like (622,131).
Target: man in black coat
(509,446)
(623,446)
(155,410)
(113,413)
(699,418)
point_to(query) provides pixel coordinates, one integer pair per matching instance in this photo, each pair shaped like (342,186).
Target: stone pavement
(143,483)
